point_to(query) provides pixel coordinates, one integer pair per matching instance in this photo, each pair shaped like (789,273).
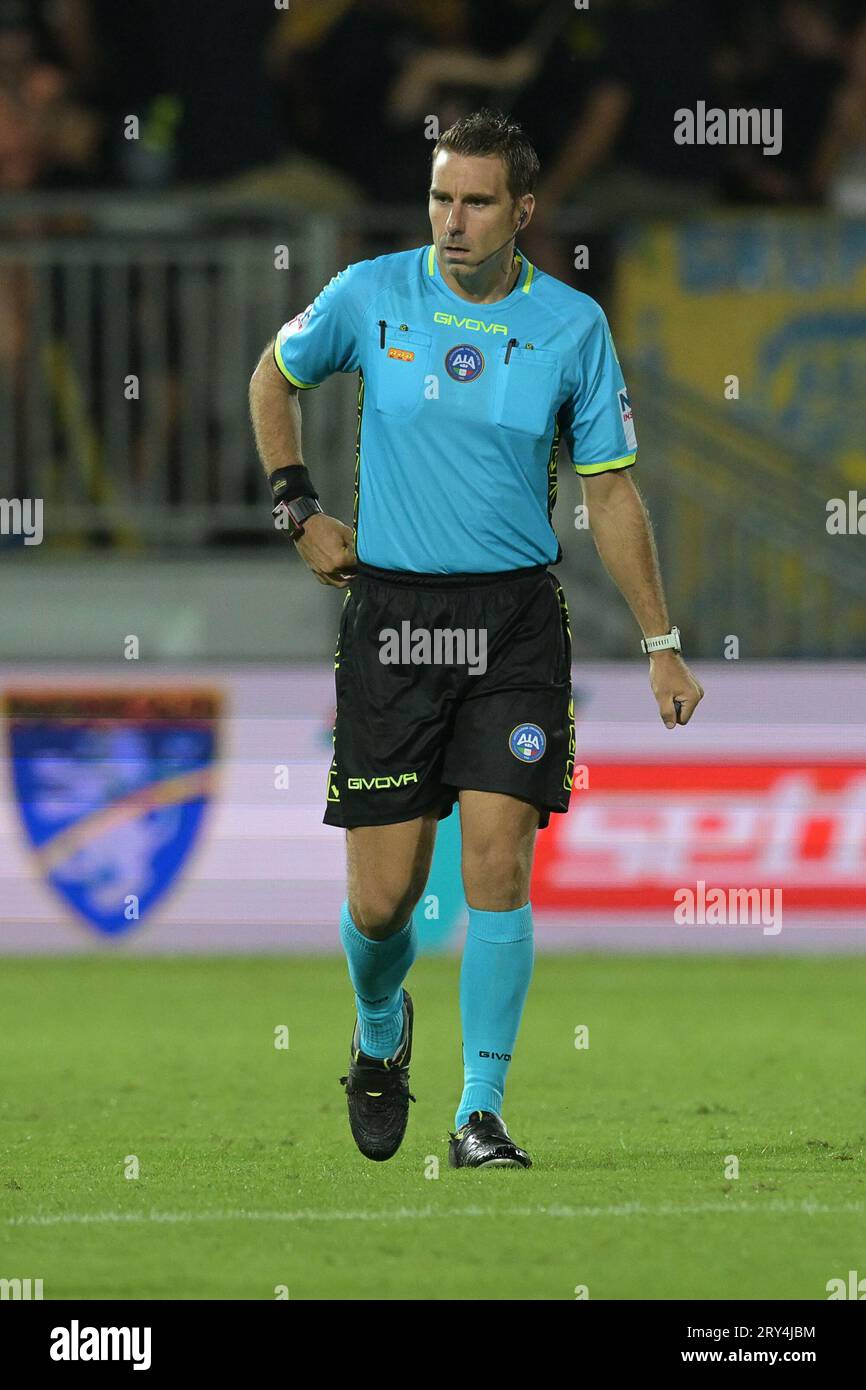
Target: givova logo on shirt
(527,742)
(474,325)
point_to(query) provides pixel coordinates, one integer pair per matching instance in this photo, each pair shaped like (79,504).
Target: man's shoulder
(391,269)
(577,312)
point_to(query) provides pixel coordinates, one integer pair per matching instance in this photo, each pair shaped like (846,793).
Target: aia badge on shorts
(464,362)
(527,742)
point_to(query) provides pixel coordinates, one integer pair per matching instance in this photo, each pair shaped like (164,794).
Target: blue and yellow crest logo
(111,789)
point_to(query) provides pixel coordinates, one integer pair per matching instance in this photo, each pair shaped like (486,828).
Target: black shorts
(482,702)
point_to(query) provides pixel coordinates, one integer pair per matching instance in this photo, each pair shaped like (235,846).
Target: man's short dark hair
(487,132)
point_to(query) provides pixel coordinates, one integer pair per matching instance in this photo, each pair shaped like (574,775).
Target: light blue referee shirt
(461,408)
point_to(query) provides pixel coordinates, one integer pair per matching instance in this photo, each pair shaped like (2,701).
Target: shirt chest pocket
(402,360)
(525,394)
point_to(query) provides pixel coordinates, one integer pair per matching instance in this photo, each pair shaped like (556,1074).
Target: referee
(453,665)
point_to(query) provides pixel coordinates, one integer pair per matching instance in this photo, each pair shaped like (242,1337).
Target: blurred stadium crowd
(304,101)
(311,125)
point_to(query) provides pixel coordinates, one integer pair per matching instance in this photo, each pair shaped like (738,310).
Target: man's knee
(496,875)
(388,867)
(378,913)
(377,916)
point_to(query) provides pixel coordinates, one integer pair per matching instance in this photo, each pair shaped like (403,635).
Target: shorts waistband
(445,581)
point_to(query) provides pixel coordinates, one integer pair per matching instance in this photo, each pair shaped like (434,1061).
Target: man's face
(472,212)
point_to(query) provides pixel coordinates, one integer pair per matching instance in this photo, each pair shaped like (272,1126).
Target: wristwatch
(671,640)
(292,515)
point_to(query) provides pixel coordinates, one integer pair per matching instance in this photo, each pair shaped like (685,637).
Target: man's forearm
(276,416)
(624,540)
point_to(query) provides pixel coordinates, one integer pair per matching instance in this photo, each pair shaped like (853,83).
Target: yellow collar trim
(530,268)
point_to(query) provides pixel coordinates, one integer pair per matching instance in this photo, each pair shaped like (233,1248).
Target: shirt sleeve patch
(295,325)
(627,414)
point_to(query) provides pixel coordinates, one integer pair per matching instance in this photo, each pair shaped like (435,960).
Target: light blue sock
(377,970)
(494,979)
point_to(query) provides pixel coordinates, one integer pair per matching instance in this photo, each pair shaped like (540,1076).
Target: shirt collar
(522,285)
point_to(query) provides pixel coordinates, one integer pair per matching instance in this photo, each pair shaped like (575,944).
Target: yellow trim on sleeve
(431,261)
(587,468)
(301,385)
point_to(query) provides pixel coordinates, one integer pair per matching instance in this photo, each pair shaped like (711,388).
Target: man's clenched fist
(326,548)
(674,687)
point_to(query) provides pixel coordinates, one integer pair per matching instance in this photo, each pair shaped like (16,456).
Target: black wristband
(289,483)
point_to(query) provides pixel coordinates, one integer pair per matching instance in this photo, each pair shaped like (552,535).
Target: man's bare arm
(624,540)
(326,546)
(276,415)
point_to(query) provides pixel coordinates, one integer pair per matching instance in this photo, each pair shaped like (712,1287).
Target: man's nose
(455,219)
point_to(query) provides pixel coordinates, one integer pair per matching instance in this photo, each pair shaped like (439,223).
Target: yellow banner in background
(777,301)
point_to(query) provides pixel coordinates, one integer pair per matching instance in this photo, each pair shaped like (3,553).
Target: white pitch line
(556,1212)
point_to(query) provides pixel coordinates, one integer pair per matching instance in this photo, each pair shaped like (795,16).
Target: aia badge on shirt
(464,362)
(527,742)
(627,414)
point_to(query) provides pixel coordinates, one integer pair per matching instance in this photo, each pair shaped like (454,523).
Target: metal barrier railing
(123,377)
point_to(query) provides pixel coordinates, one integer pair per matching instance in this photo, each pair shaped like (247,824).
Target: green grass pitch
(249,1180)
